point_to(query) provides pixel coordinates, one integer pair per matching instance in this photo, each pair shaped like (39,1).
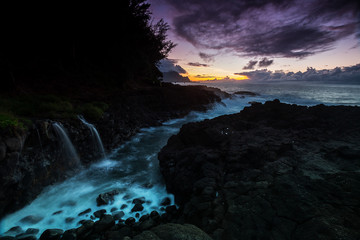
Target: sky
(230,39)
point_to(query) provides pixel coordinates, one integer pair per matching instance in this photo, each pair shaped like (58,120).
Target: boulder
(106,222)
(137,208)
(99,213)
(14,144)
(107,198)
(51,234)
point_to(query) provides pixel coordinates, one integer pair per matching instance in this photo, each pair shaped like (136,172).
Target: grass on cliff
(15,112)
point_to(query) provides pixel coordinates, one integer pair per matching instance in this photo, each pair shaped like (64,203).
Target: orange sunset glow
(197,78)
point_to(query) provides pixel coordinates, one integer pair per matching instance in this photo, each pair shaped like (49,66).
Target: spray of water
(66,144)
(98,145)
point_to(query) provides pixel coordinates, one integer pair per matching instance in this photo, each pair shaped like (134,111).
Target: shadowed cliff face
(285,171)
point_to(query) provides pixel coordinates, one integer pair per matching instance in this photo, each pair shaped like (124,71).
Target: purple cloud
(346,74)
(196,64)
(282,28)
(250,65)
(265,62)
(207,57)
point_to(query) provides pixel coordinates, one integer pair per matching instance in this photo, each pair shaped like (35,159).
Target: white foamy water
(132,169)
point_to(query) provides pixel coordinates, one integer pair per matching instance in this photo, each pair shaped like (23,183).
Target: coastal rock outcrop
(272,171)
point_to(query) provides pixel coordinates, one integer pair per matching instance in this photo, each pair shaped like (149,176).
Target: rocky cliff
(272,171)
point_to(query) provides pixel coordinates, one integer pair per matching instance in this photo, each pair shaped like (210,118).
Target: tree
(72,45)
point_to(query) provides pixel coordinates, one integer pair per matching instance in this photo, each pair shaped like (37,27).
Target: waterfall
(98,145)
(67,146)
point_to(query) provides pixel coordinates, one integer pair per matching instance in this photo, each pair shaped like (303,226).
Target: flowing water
(133,168)
(66,144)
(98,145)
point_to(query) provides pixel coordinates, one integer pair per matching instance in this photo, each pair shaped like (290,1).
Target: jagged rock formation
(272,171)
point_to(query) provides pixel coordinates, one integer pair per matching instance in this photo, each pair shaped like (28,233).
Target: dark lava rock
(107,198)
(130,221)
(69,235)
(123,206)
(85,230)
(139,200)
(85,212)
(279,170)
(51,234)
(15,231)
(31,219)
(106,222)
(165,202)
(171,209)
(137,208)
(99,213)
(118,215)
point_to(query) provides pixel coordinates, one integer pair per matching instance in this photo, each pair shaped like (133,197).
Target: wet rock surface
(272,171)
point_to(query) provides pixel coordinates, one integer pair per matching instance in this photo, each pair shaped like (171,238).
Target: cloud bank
(196,64)
(338,75)
(171,71)
(278,28)
(251,65)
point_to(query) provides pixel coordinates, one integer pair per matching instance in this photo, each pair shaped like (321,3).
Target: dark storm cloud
(167,65)
(250,65)
(207,57)
(346,74)
(265,62)
(196,64)
(284,28)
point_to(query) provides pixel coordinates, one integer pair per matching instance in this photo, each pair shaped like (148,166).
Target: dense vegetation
(75,51)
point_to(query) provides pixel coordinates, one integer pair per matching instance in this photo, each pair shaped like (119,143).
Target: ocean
(302,93)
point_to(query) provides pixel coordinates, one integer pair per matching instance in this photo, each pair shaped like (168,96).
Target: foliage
(38,106)
(7,120)
(93,111)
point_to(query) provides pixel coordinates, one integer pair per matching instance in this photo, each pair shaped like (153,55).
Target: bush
(93,111)
(39,106)
(7,120)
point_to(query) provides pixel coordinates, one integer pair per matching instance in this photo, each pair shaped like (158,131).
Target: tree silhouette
(72,46)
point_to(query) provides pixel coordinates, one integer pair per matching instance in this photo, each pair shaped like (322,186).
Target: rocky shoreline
(32,159)
(272,171)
